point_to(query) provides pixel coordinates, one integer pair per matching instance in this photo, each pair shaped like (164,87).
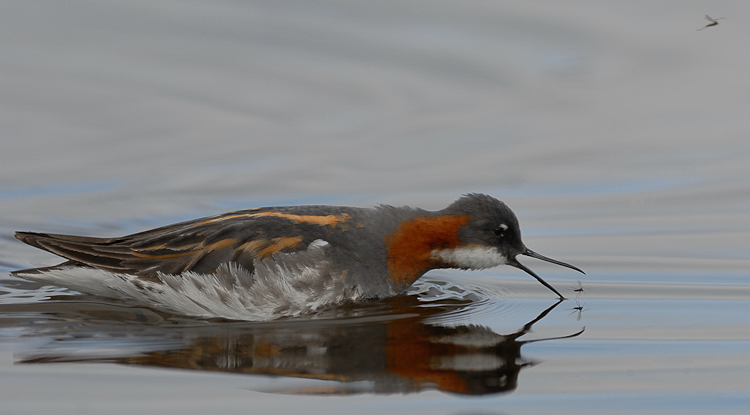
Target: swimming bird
(286,260)
(714,22)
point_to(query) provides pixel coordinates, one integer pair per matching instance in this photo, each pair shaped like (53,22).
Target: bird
(713,21)
(287,261)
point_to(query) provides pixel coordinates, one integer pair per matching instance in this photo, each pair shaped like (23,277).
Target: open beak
(529,252)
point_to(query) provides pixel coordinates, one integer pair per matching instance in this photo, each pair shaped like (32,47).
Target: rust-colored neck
(410,246)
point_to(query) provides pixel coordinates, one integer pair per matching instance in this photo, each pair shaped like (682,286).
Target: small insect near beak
(529,252)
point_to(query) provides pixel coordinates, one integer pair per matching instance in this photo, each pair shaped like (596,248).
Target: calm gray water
(616,131)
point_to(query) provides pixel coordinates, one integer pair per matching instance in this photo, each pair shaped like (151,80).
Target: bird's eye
(499,231)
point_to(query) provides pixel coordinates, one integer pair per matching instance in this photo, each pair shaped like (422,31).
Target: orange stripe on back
(279,244)
(224,243)
(410,246)
(329,220)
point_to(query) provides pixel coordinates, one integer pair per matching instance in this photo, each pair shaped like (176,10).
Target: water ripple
(443,300)
(463,300)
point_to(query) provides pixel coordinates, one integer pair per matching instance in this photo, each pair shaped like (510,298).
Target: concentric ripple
(463,297)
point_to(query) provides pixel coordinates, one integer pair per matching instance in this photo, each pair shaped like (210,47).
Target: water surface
(615,131)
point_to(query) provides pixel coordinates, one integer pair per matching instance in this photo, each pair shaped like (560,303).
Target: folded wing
(200,246)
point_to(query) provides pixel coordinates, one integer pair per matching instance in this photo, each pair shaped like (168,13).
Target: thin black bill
(533,254)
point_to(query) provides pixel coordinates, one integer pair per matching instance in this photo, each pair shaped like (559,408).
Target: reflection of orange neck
(410,246)
(410,355)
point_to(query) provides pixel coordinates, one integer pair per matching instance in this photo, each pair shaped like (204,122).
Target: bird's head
(490,236)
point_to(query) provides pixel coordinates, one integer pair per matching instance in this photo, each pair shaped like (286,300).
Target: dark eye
(499,231)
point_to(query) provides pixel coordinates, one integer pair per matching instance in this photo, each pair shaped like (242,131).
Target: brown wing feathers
(102,253)
(121,255)
(200,245)
(171,250)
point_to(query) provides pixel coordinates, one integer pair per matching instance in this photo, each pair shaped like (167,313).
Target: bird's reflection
(395,353)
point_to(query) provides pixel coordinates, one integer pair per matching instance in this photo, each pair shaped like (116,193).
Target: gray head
(491,237)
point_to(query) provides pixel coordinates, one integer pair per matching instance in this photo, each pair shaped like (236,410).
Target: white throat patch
(470,257)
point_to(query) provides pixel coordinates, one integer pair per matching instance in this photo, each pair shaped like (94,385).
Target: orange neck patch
(410,246)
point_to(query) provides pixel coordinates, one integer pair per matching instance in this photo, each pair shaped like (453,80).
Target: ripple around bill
(463,298)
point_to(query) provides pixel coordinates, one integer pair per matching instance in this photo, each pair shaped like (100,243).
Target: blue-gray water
(616,131)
